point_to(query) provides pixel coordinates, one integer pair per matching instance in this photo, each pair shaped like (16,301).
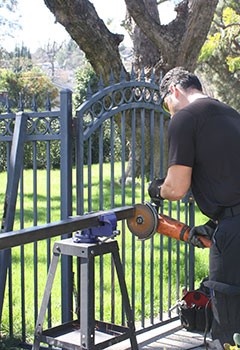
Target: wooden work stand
(85,333)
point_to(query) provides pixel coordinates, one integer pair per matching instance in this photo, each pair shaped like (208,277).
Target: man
(204,155)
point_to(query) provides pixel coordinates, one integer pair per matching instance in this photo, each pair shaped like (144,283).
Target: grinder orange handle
(176,229)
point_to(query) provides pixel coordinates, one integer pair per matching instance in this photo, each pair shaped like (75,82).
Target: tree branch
(184,35)
(198,22)
(87,29)
(157,33)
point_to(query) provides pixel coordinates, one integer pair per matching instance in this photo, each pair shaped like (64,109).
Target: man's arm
(177,182)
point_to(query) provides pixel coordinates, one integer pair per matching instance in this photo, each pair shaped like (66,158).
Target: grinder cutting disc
(144,222)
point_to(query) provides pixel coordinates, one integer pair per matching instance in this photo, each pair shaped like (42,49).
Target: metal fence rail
(120,146)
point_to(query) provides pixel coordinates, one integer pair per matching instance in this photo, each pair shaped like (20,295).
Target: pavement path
(167,337)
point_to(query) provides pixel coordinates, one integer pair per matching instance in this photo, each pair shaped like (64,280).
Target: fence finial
(48,103)
(34,104)
(20,103)
(133,74)
(142,75)
(122,75)
(89,91)
(152,78)
(100,83)
(7,105)
(111,78)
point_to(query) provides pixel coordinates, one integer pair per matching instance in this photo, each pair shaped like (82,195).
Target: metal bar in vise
(16,238)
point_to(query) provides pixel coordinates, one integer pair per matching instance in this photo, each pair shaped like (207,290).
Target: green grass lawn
(34,256)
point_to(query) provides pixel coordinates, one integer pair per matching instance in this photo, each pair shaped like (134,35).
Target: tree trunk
(177,43)
(146,55)
(157,46)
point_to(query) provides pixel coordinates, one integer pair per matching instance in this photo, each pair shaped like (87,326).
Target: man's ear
(171,88)
(174,90)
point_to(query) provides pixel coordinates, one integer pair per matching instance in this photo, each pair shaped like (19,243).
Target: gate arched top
(116,98)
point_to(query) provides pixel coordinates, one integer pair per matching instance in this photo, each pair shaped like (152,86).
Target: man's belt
(221,287)
(230,212)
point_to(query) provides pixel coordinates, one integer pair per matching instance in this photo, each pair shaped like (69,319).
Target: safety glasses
(164,104)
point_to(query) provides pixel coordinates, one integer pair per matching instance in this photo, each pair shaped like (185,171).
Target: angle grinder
(147,221)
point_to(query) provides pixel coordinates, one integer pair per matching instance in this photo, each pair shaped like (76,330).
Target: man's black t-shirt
(205,135)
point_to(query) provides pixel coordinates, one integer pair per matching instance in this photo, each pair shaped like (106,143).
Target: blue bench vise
(107,228)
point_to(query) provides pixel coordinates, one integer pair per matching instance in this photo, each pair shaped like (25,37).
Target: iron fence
(118,142)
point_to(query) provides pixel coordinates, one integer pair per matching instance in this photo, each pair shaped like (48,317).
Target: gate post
(14,171)
(191,248)
(66,198)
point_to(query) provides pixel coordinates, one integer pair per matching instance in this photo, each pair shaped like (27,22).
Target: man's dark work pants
(224,279)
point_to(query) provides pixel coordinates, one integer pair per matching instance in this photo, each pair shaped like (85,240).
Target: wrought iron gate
(122,129)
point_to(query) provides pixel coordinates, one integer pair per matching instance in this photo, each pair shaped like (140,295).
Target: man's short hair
(179,75)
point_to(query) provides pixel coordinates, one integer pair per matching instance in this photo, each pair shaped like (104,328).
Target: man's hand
(206,230)
(154,191)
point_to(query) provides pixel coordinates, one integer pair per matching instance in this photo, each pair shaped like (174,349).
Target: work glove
(154,191)
(206,230)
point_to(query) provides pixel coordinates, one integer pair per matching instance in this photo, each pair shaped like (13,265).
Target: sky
(39,27)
